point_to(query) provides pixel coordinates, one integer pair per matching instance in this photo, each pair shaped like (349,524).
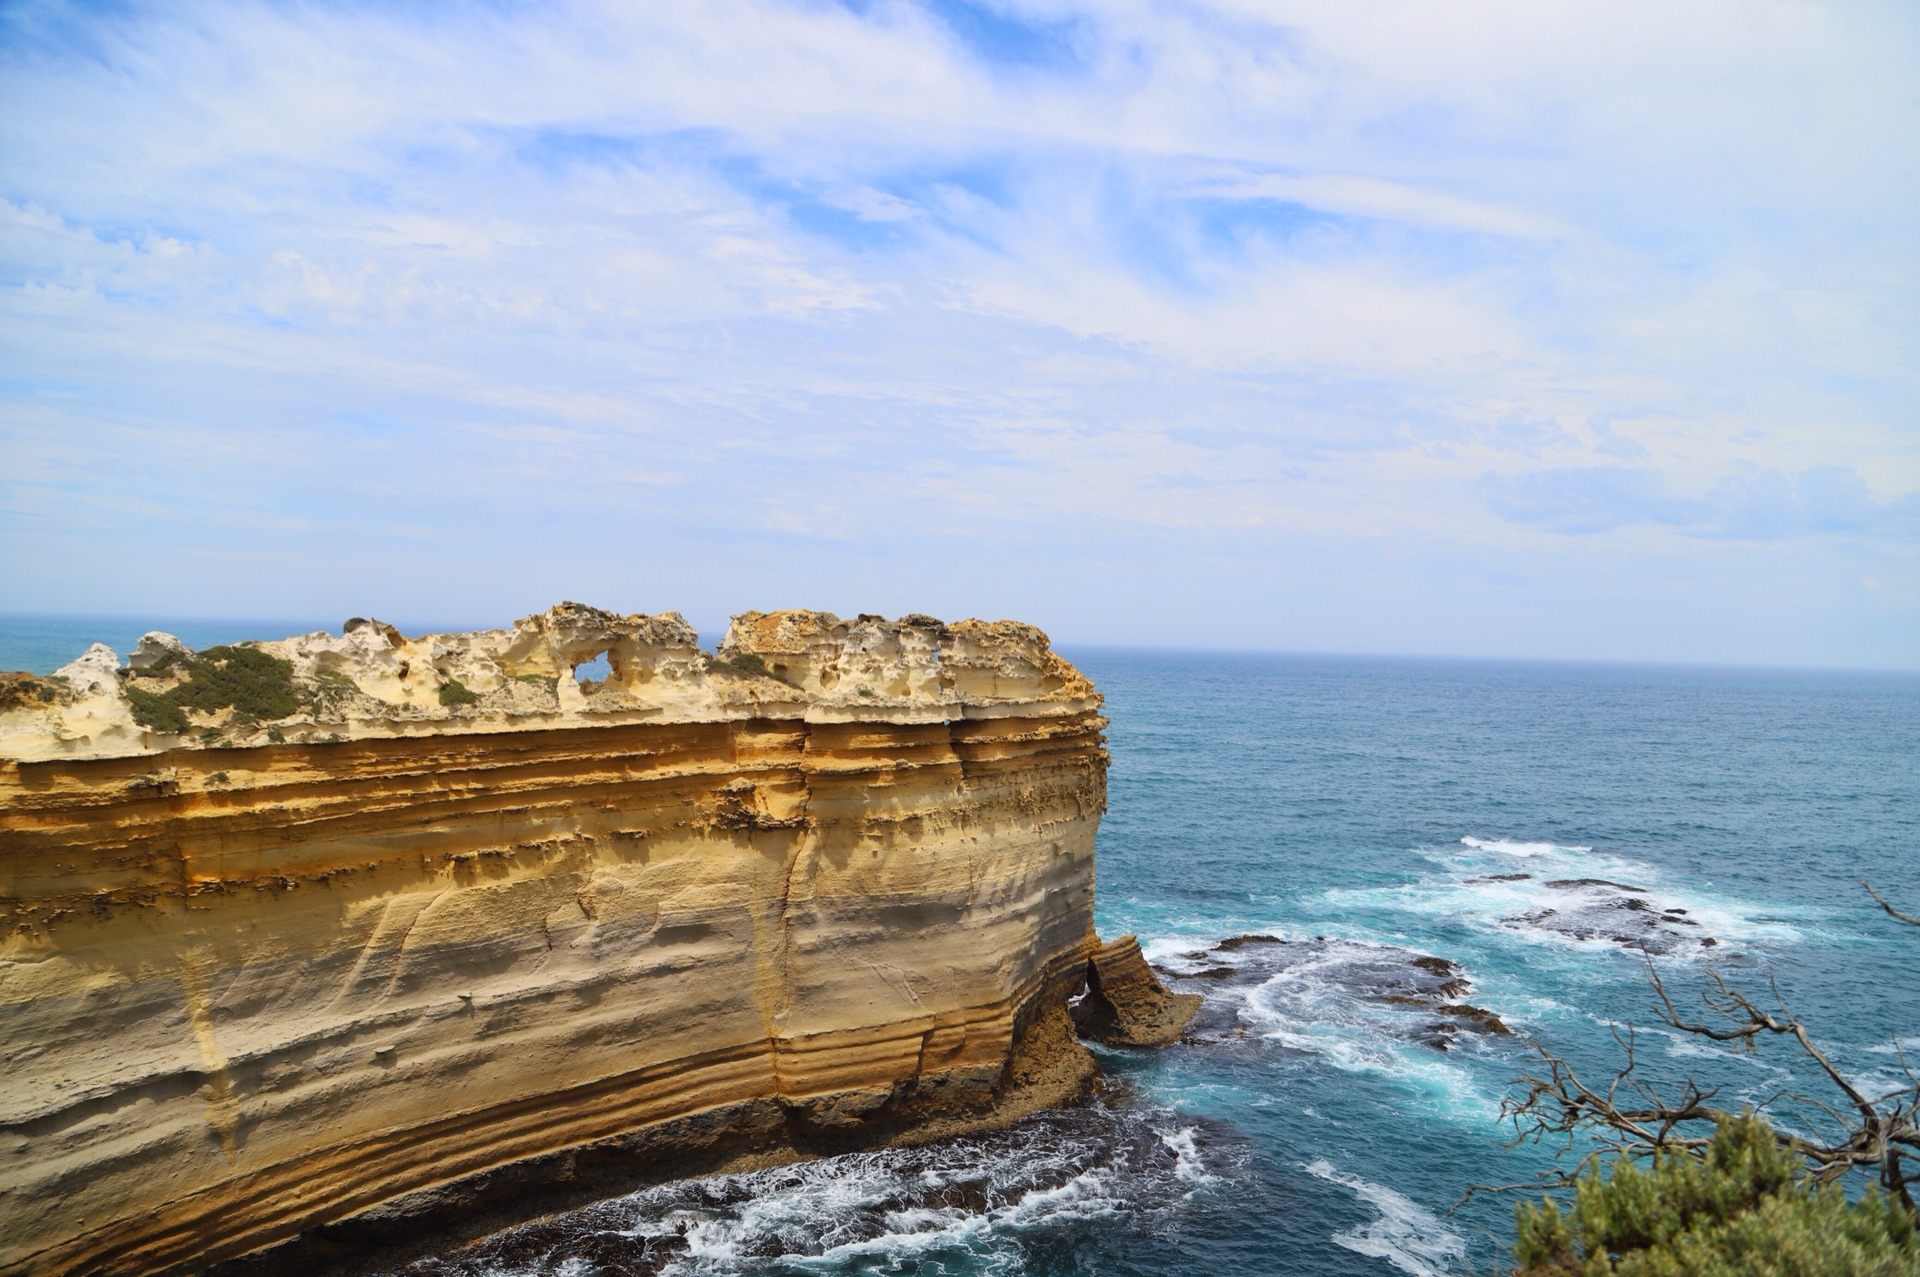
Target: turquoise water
(1367,812)
(1331,797)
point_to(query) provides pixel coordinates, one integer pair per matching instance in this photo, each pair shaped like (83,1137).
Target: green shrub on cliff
(156,711)
(247,680)
(1745,1209)
(251,682)
(453,692)
(749,663)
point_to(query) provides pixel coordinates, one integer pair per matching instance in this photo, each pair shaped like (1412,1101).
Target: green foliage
(249,680)
(157,712)
(749,663)
(252,683)
(549,681)
(1744,1210)
(453,692)
(19,689)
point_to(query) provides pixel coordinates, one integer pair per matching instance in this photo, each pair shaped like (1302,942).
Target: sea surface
(1546,830)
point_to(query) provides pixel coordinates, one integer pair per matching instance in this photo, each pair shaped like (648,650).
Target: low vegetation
(1744,1206)
(156,712)
(250,682)
(751,664)
(18,689)
(1675,1185)
(454,693)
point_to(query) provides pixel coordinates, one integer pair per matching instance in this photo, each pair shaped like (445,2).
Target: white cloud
(1372,197)
(1277,282)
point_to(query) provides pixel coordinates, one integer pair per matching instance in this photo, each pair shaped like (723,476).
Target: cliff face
(453,911)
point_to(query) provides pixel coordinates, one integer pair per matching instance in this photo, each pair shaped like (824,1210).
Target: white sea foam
(1187,1163)
(1404,1233)
(971,1201)
(1171,952)
(806,1214)
(1525,850)
(1313,1006)
(1567,899)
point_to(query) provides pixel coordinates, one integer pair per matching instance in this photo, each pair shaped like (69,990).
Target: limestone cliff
(347,927)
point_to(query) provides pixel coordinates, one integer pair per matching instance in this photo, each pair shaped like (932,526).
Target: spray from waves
(1091,1176)
(1404,1233)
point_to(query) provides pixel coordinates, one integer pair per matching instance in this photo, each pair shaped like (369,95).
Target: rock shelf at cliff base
(318,944)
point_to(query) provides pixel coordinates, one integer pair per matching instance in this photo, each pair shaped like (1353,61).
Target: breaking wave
(1523,849)
(972,1204)
(1572,896)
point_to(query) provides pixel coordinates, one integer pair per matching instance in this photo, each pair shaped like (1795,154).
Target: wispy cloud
(1747,505)
(1096,314)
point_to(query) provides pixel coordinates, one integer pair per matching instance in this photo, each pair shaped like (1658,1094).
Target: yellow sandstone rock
(457,926)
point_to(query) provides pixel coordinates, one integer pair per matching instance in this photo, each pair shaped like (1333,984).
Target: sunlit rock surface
(457,923)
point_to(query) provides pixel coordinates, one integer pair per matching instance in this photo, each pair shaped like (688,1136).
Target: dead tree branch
(1633,1118)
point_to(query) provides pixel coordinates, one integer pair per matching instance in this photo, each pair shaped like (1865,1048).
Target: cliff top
(372,681)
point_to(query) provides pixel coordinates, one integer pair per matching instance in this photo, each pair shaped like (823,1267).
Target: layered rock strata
(340,927)
(1125,1004)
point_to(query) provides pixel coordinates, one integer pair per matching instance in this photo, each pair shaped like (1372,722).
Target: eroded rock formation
(359,927)
(1125,1004)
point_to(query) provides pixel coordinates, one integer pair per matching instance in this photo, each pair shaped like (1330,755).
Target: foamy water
(1403,1233)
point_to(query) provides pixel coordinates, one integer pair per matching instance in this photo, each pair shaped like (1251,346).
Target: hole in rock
(590,674)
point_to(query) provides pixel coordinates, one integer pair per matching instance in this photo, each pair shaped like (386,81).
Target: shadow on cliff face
(1087,1175)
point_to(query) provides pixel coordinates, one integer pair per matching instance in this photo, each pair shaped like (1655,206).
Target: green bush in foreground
(1745,1210)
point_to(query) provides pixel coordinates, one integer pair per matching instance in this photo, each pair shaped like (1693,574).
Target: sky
(1505,328)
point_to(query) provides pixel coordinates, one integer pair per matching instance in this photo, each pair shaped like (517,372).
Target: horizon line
(711,638)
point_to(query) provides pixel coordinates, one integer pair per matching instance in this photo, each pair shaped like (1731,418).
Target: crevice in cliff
(1125,1003)
(223,1106)
(779,992)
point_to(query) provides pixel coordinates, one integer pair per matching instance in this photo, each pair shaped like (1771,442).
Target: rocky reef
(317,944)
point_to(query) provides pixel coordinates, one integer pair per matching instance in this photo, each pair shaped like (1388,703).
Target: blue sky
(1491,327)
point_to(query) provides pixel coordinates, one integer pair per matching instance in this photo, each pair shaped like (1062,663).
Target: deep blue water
(1368,811)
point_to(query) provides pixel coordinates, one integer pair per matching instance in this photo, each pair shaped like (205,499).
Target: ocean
(1288,835)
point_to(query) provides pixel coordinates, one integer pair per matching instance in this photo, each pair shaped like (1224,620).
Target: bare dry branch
(1633,1118)
(1909,919)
